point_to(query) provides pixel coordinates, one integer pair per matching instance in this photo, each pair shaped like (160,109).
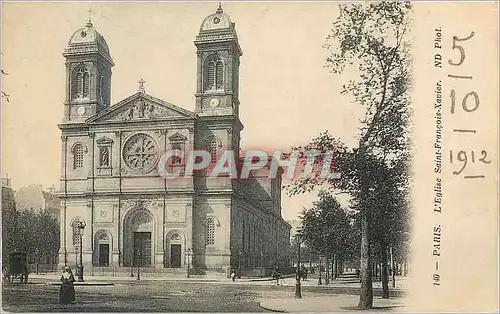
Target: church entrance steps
(151,272)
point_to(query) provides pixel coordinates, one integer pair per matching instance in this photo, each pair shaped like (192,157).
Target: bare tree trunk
(393,264)
(385,273)
(366,291)
(327,272)
(319,277)
(373,267)
(379,270)
(332,271)
(335,266)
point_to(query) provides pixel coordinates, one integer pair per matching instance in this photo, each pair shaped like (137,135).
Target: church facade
(118,210)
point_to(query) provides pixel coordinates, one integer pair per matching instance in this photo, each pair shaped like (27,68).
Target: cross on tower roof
(90,16)
(141,88)
(219,9)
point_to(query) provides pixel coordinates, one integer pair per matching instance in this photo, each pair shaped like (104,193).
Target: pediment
(141,107)
(177,137)
(104,140)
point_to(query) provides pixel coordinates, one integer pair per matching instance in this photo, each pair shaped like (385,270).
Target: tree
(327,229)
(37,234)
(371,40)
(390,212)
(9,218)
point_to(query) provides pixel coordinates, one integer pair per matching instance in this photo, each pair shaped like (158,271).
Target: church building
(118,210)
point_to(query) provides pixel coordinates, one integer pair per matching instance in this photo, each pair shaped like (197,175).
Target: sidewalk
(401,283)
(331,303)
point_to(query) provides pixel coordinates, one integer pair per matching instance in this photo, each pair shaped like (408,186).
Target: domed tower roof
(218,27)
(217,21)
(87,40)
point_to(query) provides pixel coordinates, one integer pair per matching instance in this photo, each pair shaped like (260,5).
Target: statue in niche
(104,157)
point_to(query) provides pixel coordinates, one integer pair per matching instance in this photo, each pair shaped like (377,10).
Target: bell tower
(218,57)
(88,74)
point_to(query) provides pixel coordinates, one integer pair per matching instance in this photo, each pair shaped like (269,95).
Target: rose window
(140,153)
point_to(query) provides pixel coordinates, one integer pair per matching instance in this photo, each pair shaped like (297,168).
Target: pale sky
(287,96)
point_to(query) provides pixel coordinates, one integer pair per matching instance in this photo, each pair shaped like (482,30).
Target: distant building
(33,197)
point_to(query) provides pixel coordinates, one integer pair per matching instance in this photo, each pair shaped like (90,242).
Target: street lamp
(139,264)
(132,263)
(298,291)
(240,253)
(81,226)
(188,253)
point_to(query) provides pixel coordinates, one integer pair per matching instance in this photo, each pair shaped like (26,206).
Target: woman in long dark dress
(67,290)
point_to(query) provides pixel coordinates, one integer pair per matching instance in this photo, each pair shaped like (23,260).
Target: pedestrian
(275,276)
(67,289)
(233,275)
(281,279)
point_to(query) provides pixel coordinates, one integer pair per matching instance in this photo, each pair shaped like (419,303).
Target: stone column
(115,236)
(189,224)
(62,260)
(88,237)
(159,234)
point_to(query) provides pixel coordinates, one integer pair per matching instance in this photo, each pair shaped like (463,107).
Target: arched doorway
(138,238)
(175,250)
(103,247)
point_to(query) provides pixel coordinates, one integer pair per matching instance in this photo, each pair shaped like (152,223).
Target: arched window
(210,232)
(77,233)
(101,90)
(210,76)
(212,146)
(81,83)
(78,156)
(219,75)
(214,74)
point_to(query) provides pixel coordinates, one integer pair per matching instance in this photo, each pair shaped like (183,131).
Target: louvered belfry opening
(214,74)
(81,83)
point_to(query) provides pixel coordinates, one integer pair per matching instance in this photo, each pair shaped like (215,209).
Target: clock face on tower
(80,110)
(214,102)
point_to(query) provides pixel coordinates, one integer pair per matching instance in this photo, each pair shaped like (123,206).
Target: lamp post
(240,253)
(139,264)
(298,291)
(188,253)
(132,264)
(80,266)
